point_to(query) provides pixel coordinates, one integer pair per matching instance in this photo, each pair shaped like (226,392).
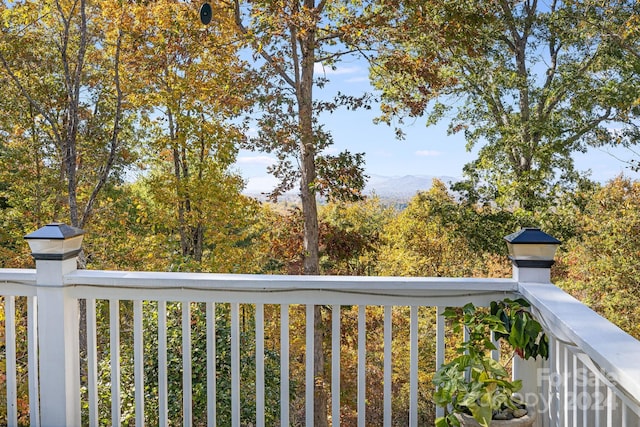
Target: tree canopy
(530,83)
(74,117)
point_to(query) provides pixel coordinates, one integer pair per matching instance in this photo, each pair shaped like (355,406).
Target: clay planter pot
(526,421)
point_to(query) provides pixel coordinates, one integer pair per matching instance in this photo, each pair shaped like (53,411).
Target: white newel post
(532,254)
(55,248)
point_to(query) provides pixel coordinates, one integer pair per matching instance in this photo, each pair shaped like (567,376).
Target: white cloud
(362,79)
(321,69)
(428,153)
(260,184)
(256,160)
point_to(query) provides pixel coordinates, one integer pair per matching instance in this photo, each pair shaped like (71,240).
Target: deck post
(532,254)
(55,248)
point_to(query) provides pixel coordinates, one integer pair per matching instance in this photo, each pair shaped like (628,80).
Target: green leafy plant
(474,383)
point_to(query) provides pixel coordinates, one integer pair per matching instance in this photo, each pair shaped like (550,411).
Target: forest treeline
(437,234)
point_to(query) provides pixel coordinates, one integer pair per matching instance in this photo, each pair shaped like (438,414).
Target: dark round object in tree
(205,13)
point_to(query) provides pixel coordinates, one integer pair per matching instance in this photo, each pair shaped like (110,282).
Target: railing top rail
(614,351)
(288,289)
(24,274)
(267,281)
(17,281)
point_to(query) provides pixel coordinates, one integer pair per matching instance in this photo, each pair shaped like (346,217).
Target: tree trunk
(302,55)
(191,236)
(311,252)
(310,211)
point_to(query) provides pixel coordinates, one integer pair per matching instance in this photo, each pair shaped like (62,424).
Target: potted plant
(474,388)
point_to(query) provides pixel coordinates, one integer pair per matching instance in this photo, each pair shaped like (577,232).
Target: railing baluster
(32,339)
(335,365)
(565,384)
(596,400)
(609,407)
(495,354)
(163,404)
(388,367)
(440,337)
(309,371)
(235,364)
(114,322)
(138,361)
(413,380)
(554,359)
(362,365)
(211,365)
(574,390)
(260,365)
(599,401)
(465,337)
(187,407)
(92,361)
(10,354)
(585,394)
(284,364)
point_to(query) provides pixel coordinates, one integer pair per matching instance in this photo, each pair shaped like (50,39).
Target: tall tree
(195,84)
(531,82)
(289,38)
(75,112)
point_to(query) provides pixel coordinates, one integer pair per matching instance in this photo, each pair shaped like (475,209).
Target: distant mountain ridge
(402,187)
(398,188)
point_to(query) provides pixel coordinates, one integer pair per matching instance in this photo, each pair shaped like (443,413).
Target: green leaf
(484,411)
(517,338)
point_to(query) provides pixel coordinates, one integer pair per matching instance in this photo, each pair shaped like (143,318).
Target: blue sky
(424,151)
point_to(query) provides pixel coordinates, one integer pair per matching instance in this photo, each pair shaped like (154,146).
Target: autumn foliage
(126,119)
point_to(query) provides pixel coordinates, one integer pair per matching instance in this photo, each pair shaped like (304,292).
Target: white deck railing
(591,379)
